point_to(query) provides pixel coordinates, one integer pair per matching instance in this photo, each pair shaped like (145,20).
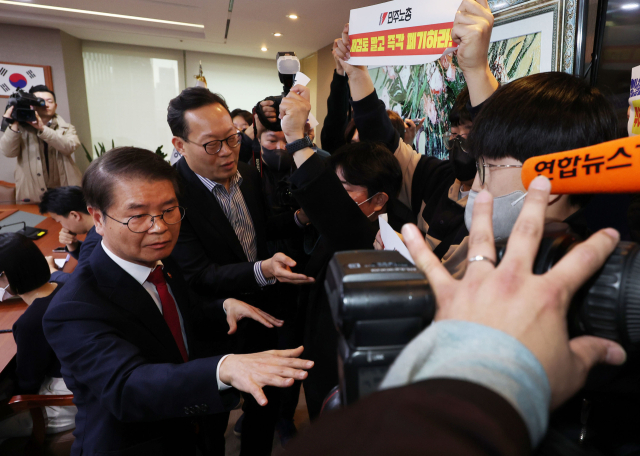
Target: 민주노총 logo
(395,16)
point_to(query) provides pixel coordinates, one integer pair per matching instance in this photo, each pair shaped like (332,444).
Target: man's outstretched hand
(237,310)
(250,373)
(279,266)
(510,298)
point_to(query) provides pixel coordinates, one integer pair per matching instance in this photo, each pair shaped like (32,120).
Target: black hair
(123,163)
(246,115)
(63,200)
(542,114)
(459,114)
(190,98)
(369,165)
(23,263)
(42,88)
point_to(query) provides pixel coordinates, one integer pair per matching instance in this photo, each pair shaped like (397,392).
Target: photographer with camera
(43,147)
(482,379)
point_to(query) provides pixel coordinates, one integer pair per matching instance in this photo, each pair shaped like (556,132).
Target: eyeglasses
(481,165)
(144,222)
(213,147)
(450,138)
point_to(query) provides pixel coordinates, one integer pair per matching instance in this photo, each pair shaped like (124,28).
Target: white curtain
(128,91)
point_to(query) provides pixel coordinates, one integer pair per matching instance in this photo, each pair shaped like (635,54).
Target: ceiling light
(630,6)
(277,34)
(292,16)
(98,13)
(264,49)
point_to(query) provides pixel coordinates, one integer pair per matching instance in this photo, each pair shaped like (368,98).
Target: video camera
(288,66)
(22,103)
(380,302)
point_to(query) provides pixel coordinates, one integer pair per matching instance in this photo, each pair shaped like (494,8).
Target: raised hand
(472,32)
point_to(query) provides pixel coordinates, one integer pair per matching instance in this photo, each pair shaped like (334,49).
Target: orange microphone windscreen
(610,167)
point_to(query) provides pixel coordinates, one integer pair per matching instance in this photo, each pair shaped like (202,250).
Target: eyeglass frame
(481,167)
(238,134)
(460,137)
(153,218)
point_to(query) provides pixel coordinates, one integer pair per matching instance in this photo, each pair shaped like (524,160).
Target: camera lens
(609,304)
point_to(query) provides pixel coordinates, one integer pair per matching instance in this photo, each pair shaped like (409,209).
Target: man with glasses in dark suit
(222,247)
(134,347)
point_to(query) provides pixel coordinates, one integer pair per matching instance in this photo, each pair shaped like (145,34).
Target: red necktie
(169,310)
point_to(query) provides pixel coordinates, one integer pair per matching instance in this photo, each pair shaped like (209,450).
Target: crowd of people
(200,286)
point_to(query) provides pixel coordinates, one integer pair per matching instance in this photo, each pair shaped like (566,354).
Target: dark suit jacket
(35,360)
(432,417)
(208,250)
(135,395)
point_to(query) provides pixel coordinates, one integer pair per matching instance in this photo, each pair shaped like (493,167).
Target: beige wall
(77,89)
(309,66)
(43,46)
(242,81)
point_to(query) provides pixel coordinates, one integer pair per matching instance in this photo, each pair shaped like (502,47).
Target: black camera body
(380,302)
(22,103)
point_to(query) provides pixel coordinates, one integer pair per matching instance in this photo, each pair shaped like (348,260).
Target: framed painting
(14,76)
(528,37)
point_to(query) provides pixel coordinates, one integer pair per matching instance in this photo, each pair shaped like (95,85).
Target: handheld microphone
(26,200)
(27,231)
(609,167)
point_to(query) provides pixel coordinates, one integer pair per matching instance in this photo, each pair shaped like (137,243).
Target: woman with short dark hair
(24,272)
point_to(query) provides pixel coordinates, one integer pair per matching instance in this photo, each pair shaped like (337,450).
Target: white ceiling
(253,23)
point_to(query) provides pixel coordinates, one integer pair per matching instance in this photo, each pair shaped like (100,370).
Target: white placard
(401,32)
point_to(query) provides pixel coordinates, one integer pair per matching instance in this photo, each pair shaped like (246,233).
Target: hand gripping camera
(22,103)
(380,302)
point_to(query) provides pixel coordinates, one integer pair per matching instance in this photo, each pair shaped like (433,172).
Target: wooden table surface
(11,310)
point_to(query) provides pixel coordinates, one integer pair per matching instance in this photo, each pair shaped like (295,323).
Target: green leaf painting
(430,90)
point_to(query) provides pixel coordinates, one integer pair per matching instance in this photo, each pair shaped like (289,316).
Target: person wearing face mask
(343,200)
(434,189)
(24,272)
(445,185)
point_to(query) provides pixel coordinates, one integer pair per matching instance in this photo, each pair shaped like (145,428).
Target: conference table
(12,309)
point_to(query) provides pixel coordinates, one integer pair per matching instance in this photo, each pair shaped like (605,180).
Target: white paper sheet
(391,240)
(60,262)
(303,80)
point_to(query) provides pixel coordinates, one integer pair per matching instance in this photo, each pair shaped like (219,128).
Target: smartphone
(59,250)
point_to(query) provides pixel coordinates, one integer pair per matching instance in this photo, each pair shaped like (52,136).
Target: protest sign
(610,167)
(633,126)
(401,32)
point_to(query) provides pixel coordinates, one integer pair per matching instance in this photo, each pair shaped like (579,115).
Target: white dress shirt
(141,274)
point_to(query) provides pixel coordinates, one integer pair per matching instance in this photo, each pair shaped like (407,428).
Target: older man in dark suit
(132,346)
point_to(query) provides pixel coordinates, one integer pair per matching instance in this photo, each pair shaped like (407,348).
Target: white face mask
(360,204)
(506,210)
(4,294)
